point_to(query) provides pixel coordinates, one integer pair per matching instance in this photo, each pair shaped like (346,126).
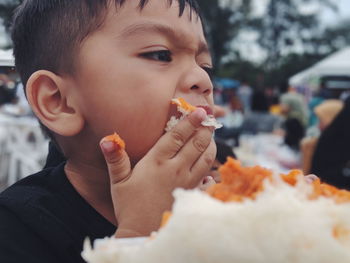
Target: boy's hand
(180,158)
(207,182)
(310,178)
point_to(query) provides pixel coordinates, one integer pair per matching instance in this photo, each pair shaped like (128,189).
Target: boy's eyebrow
(163,29)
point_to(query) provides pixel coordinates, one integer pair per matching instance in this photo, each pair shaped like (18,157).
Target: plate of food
(253,215)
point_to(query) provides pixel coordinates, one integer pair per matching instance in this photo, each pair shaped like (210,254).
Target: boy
(91,68)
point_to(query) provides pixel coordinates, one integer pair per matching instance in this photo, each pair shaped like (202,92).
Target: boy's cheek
(137,145)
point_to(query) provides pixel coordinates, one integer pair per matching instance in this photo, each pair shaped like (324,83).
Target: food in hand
(185,109)
(115,138)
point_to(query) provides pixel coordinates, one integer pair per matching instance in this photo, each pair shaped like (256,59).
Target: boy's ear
(49,96)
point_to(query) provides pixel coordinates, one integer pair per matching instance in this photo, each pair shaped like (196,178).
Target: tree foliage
(330,39)
(284,28)
(223,23)
(293,40)
(7,8)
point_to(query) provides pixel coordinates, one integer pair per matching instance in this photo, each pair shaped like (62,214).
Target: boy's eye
(209,71)
(160,55)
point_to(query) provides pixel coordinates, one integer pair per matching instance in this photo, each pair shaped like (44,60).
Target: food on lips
(252,216)
(185,109)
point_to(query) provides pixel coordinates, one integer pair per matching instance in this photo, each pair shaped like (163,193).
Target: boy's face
(130,69)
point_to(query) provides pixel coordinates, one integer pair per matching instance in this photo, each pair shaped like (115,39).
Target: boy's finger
(117,160)
(195,147)
(171,142)
(310,178)
(207,182)
(203,164)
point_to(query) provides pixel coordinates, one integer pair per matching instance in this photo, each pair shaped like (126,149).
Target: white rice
(281,226)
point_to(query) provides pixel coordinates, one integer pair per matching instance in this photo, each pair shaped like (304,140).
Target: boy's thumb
(117,159)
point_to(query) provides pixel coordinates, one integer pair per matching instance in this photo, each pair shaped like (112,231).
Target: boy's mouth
(177,114)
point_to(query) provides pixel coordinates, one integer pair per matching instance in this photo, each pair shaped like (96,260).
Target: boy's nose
(197,80)
(200,90)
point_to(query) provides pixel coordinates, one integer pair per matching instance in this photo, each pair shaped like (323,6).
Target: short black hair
(47,33)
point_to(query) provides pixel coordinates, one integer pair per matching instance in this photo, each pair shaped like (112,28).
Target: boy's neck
(92,183)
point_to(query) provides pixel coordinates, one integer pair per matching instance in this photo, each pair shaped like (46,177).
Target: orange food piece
(326,190)
(238,183)
(116,139)
(341,232)
(165,218)
(292,177)
(184,105)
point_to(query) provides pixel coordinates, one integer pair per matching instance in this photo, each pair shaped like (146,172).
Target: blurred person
(331,160)
(235,103)
(223,150)
(219,111)
(326,113)
(244,94)
(275,107)
(313,103)
(294,110)
(272,95)
(6,92)
(259,119)
(231,117)
(218,95)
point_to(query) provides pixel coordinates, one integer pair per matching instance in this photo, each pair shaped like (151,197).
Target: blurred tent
(337,65)
(6,58)
(226,83)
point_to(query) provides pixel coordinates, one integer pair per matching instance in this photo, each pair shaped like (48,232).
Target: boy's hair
(47,33)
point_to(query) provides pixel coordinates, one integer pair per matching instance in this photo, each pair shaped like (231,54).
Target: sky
(329,17)
(253,52)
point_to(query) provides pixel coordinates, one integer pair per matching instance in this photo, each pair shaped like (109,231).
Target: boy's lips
(209,110)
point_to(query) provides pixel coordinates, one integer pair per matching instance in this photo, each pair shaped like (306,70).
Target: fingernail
(200,113)
(108,146)
(112,143)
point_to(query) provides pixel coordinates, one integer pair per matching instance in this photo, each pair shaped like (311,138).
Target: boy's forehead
(162,12)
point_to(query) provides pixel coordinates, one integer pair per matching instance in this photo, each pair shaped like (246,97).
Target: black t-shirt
(43,219)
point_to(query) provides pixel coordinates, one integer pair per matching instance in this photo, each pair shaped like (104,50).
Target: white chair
(25,149)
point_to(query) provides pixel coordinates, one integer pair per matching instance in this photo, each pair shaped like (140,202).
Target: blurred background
(275,62)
